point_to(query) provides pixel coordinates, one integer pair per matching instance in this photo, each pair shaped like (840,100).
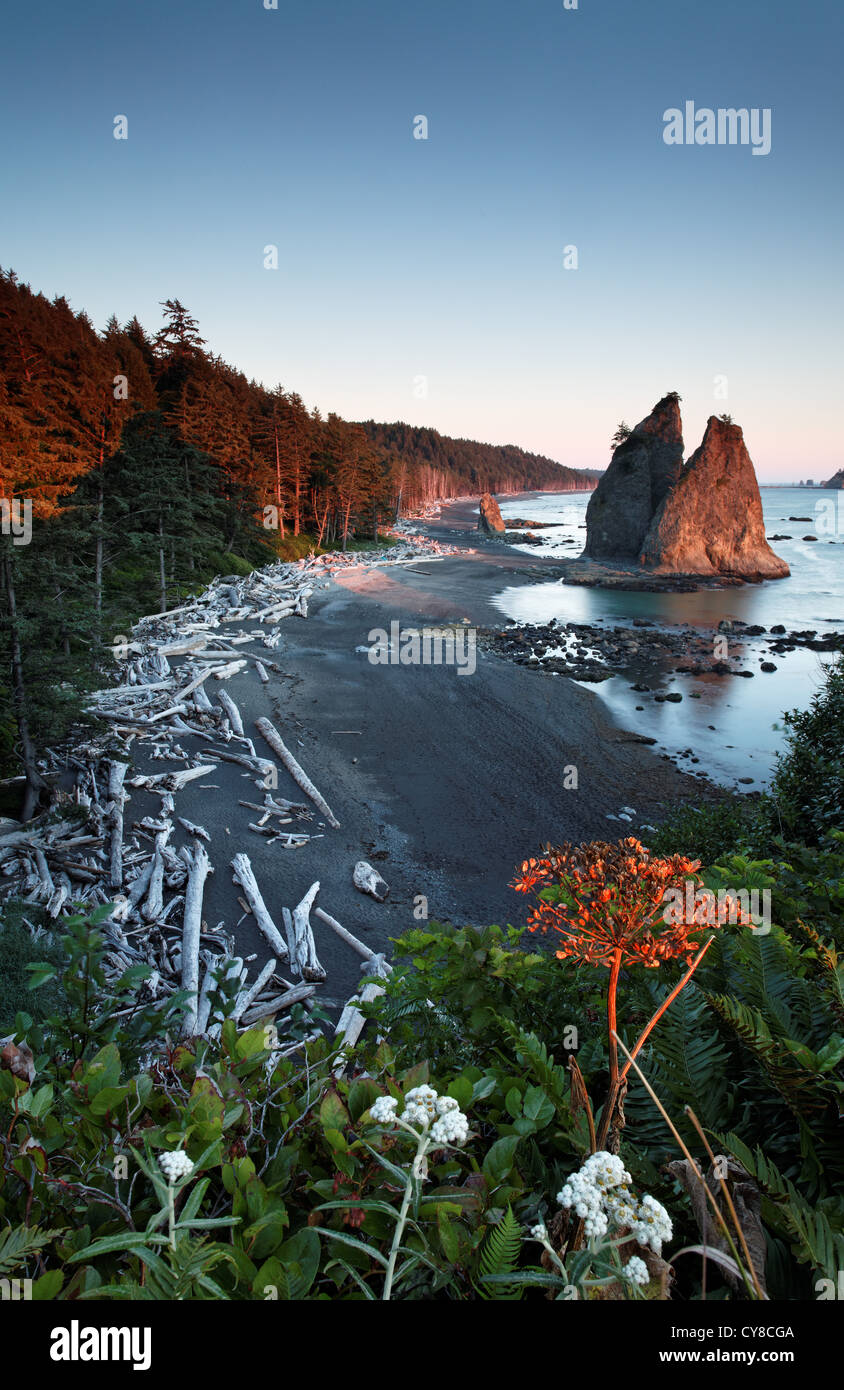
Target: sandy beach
(443,781)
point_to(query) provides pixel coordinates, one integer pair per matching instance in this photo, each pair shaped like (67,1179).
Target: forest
(135,466)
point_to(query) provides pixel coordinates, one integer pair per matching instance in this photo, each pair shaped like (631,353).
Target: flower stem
(413,1177)
(171,1213)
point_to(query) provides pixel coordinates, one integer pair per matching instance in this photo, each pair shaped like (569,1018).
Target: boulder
(710,522)
(642,470)
(490,520)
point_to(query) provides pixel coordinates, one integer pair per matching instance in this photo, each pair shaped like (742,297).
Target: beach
(444,782)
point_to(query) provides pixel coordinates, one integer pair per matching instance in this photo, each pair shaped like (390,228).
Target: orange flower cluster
(608,902)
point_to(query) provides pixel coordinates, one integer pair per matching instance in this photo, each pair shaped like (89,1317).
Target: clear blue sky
(401,258)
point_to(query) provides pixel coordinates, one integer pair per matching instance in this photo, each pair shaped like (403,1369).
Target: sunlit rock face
(642,470)
(710,522)
(490,520)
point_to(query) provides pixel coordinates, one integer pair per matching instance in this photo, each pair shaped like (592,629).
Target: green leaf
(109,1098)
(333,1113)
(538,1107)
(48,1287)
(499,1158)
(368,1250)
(448,1236)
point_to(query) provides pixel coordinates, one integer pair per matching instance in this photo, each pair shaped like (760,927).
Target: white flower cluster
(600,1193)
(422,1105)
(175,1165)
(636,1270)
(539,1232)
(652,1225)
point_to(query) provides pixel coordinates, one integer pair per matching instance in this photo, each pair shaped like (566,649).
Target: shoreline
(445,784)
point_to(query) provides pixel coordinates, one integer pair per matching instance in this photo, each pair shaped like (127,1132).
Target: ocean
(735,728)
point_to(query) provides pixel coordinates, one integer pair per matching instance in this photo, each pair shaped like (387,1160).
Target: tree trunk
(162,577)
(278,501)
(98,560)
(35,783)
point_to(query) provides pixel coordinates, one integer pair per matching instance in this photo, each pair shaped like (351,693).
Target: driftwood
(232,711)
(368,880)
(299,994)
(200,869)
(209,982)
(352,1021)
(344,935)
(303,954)
(248,996)
(300,777)
(116,777)
(245,878)
(95,856)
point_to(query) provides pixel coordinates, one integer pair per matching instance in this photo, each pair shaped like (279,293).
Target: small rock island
(700,519)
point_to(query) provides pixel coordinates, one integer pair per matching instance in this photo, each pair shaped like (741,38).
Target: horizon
(408,265)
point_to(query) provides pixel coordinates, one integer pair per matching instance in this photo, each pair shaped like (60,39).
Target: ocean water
(735,727)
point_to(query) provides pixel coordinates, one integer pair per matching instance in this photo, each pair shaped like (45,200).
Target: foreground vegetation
(451,1160)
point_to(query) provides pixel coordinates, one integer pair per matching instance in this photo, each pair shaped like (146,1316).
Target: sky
(426,280)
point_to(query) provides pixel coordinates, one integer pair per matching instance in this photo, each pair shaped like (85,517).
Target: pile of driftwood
(84,852)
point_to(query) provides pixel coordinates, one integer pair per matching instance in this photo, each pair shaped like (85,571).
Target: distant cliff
(702,518)
(462,467)
(836,481)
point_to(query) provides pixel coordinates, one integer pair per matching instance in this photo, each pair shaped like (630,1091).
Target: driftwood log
(199,871)
(300,777)
(245,878)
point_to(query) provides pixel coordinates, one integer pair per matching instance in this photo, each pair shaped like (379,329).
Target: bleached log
(247,997)
(57,900)
(43,872)
(223,672)
(304,960)
(262,672)
(299,994)
(232,711)
(368,880)
(201,700)
(350,940)
(155,900)
(245,878)
(300,777)
(262,767)
(209,981)
(140,885)
(197,830)
(234,969)
(182,648)
(352,1021)
(116,777)
(200,869)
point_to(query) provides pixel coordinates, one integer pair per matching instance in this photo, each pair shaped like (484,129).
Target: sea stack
(490,520)
(710,522)
(642,470)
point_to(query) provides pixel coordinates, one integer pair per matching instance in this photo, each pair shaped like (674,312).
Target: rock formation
(711,521)
(703,518)
(836,481)
(642,470)
(490,520)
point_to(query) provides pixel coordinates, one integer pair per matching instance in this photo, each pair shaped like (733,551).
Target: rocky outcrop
(490,520)
(642,470)
(710,522)
(836,481)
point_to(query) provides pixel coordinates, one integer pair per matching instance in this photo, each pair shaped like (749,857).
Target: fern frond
(18,1243)
(500,1255)
(813,1239)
